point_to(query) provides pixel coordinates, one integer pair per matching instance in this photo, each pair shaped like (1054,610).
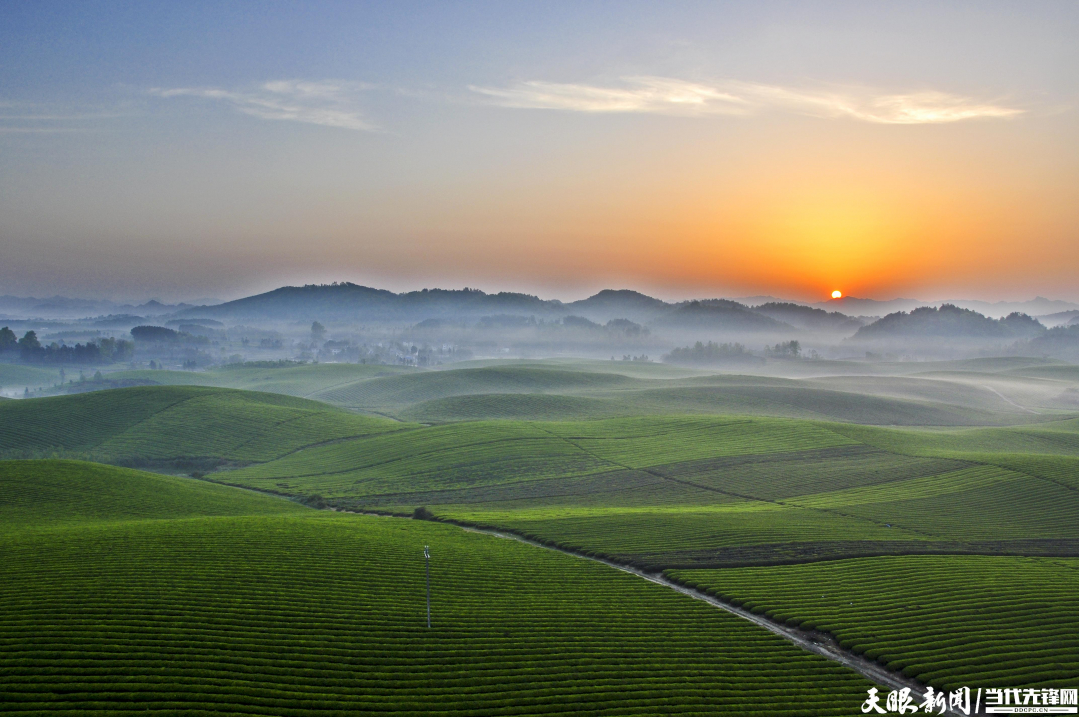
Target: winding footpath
(815,642)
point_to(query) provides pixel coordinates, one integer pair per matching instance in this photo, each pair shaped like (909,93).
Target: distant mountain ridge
(1038,306)
(433,307)
(352,302)
(63,307)
(950,322)
(345,301)
(721,313)
(808,317)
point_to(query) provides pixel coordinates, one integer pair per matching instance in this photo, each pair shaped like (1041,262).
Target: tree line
(31,350)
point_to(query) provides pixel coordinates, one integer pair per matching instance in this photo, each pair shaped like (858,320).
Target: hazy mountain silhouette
(64,307)
(621,303)
(427,307)
(720,314)
(853,306)
(951,322)
(807,317)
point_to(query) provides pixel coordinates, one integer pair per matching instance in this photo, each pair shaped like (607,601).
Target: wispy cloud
(660,95)
(669,96)
(327,103)
(34,118)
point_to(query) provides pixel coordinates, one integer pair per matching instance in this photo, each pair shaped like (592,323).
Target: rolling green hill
(155,594)
(162,425)
(39,493)
(948,621)
(391,393)
(303,381)
(657,491)
(945,548)
(982,392)
(495,393)
(687,491)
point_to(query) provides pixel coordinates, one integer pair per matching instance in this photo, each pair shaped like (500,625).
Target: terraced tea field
(301,381)
(959,393)
(547,391)
(128,600)
(738,504)
(160,424)
(53,493)
(708,492)
(947,621)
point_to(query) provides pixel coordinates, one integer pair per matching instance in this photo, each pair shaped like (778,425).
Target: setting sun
(837,294)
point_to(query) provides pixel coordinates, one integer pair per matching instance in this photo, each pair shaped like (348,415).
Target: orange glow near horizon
(788,206)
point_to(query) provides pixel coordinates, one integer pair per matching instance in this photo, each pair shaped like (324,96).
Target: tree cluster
(788,349)
(709,353)
(107,350)
(163,335)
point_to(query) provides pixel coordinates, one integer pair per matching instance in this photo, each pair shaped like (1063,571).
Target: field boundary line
(378,464)
(652,470)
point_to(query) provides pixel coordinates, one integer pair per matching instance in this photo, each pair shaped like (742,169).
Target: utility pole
(427,561)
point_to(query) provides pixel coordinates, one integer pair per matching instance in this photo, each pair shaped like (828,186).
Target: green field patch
(1063,470)
(398,392)
(948,621)
(1009,506)
(1055,438)
(49,492)
(656,538)
(515,406)
(301,614)
(611,489)
(808,402)
(303,381)
(467,455)
(238,426)
(83,421)
(930,486)
(148,424)
(642,442)
(774,476)
(459,450)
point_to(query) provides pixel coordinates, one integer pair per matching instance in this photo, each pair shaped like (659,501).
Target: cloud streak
(669,96)
(326,103)
(35,118)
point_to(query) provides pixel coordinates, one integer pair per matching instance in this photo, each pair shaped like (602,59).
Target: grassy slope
(946,620)
(302,381)
(660,491)
(306,612)
(162,423)
(684,491)
(57,492)
(15,377)
(963,394)
(559,394)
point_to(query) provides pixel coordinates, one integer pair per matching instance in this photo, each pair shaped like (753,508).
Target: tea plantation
(148,425)
(959,393)
(947,552)
(127,592)
(944,620)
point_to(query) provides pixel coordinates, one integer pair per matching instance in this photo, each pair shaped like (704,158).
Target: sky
(189,150)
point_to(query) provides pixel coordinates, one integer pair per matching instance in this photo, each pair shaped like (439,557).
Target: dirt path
(815,642)
(1008,400)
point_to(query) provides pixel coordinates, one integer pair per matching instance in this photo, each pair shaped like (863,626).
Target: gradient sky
(183,150)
